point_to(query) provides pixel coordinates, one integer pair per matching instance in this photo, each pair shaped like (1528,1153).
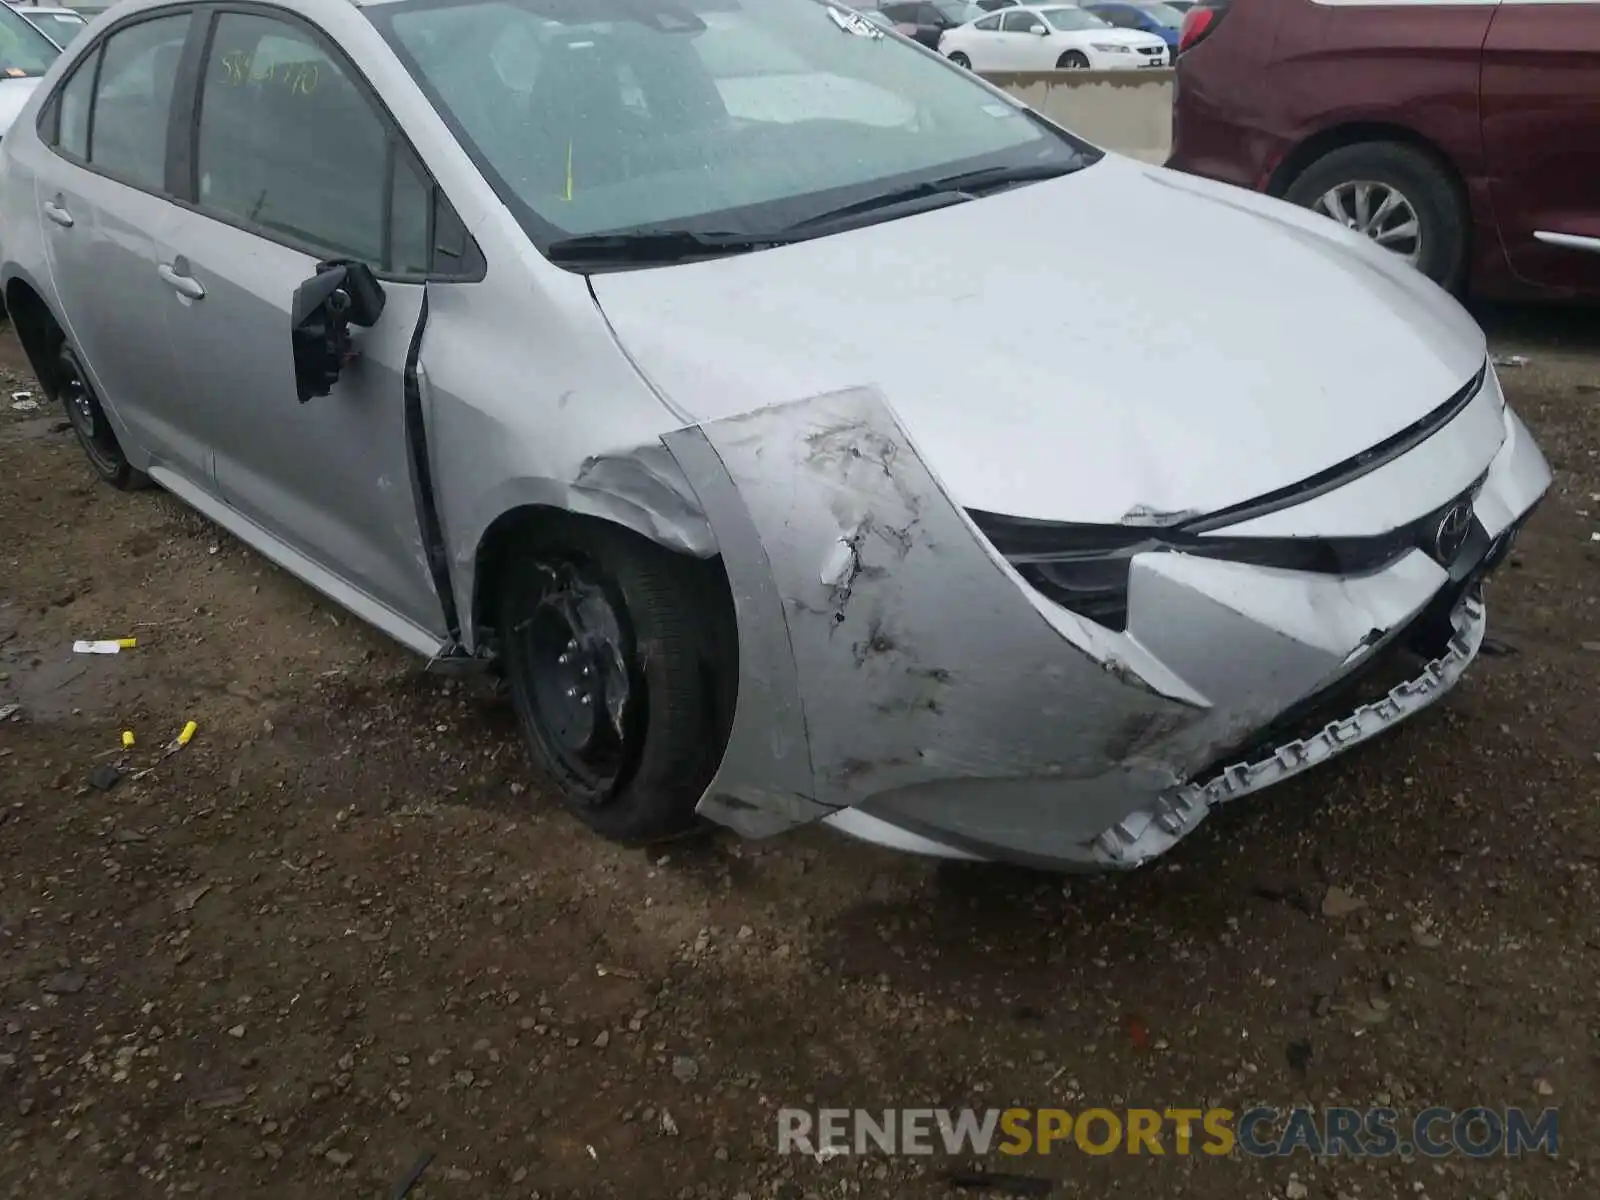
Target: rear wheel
(1398,196)
(617,653)
(961,60)
(89,422)
(1072,60)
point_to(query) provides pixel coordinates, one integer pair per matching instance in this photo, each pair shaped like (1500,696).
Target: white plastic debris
(23,402)
(111,646)
(1510,360)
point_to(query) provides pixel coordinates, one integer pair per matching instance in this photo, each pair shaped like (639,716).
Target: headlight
(1108,49)
(1084,568)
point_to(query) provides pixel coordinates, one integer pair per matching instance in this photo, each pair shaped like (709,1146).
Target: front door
(1540,106)
(101,190)
(293,165)
(1020,49)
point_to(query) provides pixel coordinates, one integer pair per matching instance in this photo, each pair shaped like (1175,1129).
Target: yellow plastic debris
(127,738)
(188,732)
(127,643)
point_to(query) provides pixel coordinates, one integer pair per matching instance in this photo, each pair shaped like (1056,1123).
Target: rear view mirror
(342,293)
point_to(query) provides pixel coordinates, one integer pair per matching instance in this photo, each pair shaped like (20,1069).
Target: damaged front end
(909,677)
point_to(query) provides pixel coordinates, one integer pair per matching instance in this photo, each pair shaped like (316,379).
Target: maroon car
(1462,135)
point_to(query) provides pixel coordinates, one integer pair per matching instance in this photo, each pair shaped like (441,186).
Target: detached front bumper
(901,682)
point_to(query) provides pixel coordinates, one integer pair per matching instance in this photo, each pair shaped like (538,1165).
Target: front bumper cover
(898,679)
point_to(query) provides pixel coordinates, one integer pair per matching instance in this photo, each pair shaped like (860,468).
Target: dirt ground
(338,932)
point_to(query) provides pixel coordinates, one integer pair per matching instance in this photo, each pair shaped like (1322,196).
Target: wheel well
(38,331)
(1354,133)
(510,528)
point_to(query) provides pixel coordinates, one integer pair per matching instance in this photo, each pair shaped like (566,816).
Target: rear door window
(127,131)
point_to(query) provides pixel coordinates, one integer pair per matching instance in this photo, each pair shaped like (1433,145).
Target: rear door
(1541,130)
(294,163)
(104,200)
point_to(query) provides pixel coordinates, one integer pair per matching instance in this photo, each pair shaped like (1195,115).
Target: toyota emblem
(1451,533)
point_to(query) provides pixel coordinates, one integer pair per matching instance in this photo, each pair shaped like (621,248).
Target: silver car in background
(60,25)
(545,335)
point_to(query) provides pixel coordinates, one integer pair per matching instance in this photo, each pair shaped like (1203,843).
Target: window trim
(181,166)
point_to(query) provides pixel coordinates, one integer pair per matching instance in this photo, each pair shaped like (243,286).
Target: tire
(1072,60)
(1421,183)
(88,419)
(961,60)
(655,726)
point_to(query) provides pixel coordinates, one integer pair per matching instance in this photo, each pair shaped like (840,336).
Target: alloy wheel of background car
(89,422)
(1378,210)
(1394,178)
(617,655)
(1072,60)
(961,60)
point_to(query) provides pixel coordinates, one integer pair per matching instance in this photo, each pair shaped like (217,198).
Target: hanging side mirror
(342,293)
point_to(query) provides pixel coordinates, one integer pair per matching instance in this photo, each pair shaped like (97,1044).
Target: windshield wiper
(967,185)
(659,245)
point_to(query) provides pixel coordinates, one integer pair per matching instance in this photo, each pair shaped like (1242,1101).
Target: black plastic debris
(104,777)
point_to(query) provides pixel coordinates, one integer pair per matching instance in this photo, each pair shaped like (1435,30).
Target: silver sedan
(548,336)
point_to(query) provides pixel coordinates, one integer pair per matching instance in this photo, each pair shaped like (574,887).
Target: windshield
(958,12)
(1072,18)
(24,51)
(601,116)
(60,28)
(1164,14)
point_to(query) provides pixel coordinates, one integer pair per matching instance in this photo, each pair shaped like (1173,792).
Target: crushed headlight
(1084,568)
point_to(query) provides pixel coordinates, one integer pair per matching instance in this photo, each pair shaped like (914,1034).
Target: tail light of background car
(1199,23)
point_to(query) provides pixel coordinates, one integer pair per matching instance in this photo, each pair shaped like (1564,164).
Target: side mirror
(342,293)
(1038,30)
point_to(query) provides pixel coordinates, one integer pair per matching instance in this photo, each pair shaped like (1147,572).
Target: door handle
(56,213)
(184,285)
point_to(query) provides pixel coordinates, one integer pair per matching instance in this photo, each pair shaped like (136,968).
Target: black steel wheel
(619,658)
(580,655)
(89,422)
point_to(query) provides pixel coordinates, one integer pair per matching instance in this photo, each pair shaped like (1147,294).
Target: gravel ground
(338,932)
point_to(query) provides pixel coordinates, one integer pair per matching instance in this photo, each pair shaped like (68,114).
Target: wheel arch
(38,330)
(1352,133)
(1359,132)
(521,522)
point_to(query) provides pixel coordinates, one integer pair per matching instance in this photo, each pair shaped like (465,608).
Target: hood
(14,94)
(1054,358)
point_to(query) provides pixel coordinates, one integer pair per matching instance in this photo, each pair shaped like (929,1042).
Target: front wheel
(1072,60)
(961,60)
(618,654)
(1396,195)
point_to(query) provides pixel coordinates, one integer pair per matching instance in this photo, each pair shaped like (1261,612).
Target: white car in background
(1046,38)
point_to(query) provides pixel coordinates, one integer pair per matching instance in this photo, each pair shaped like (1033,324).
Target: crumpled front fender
(885,647)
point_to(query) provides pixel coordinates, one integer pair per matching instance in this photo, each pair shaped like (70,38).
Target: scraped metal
(883,646)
